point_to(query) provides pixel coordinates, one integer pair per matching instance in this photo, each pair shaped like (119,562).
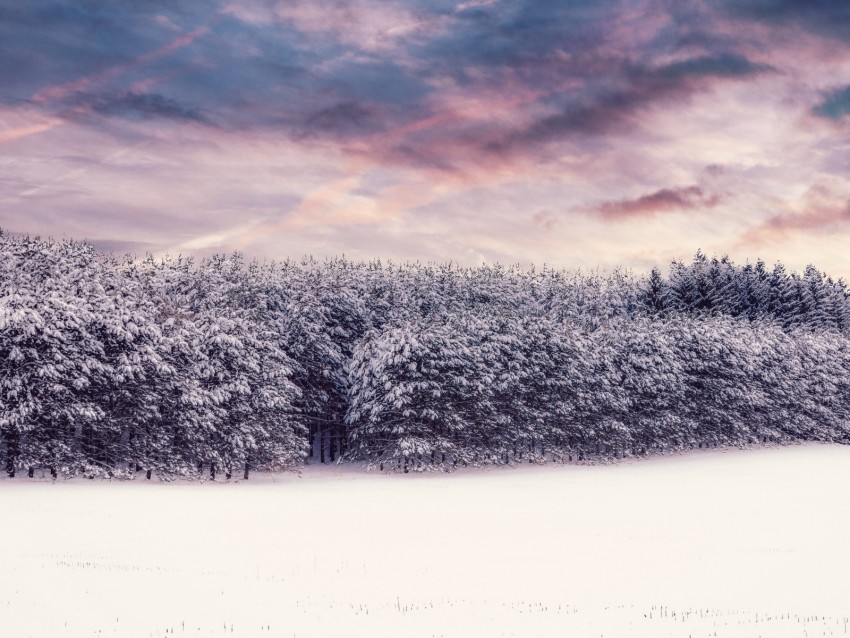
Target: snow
(728,544)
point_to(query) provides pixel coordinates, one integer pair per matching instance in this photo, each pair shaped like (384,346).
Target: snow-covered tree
(109,367)
(51,352)
(410,390)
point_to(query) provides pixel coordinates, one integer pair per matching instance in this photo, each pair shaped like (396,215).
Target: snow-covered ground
(727,544)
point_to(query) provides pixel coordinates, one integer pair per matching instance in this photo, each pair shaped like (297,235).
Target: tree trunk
(85,442)
(10,437)
(332,445)
(212,471)
(31,472)
(132,453)
(246,471)
(321,446)
(148,475)
(53,473)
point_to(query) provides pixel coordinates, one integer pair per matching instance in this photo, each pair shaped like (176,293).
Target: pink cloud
(546,219)
(61,91)
(664,200)
(11,134)
(823,210)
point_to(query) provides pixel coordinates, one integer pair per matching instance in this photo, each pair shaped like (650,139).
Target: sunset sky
(575,133)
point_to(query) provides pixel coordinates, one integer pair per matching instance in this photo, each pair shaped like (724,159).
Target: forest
(172,367)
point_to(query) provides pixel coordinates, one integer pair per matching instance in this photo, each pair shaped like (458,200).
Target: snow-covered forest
(178,368)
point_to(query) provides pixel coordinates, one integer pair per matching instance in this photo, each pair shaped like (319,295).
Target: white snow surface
(741,543)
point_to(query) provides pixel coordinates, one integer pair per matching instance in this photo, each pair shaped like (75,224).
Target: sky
(574,133)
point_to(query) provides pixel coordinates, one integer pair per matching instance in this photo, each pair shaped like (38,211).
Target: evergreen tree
(654,294)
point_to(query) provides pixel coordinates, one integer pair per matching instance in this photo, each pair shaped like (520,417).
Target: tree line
(173,367)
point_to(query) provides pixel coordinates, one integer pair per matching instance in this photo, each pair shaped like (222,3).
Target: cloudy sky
(575,133)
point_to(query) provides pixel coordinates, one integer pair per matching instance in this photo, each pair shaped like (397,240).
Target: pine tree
(654,297)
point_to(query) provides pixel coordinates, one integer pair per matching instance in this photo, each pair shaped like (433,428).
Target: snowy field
(726,544)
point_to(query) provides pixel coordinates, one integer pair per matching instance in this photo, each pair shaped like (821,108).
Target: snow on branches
(175,368)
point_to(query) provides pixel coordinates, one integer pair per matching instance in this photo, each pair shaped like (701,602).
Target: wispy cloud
(89,82)
(143,105)
(25,130)
(829,18)
(664,200)
(618,110)
(348,117)
(823,209)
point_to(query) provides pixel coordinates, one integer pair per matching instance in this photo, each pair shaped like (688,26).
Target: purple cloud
(664,200)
